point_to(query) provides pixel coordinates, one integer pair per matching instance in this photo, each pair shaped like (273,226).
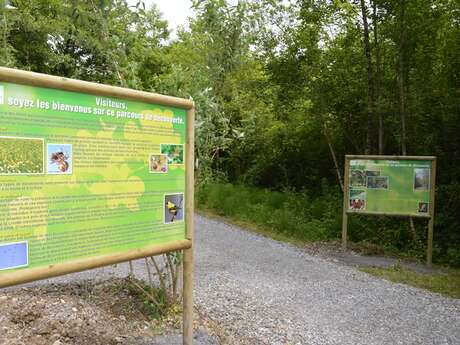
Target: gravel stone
(263,291)
(270,292)
(201,337)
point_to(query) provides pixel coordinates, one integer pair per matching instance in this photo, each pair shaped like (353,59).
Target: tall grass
(307,217)
(446,283)
(296,215)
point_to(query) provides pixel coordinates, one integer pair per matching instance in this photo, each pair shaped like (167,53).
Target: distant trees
(283,91)
(104,41)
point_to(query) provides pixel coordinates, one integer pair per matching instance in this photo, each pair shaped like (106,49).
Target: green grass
(303,217)
(447,283)
(153,299)
(286,216)
(258,229)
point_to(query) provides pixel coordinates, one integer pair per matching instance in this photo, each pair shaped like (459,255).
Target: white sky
(175,12)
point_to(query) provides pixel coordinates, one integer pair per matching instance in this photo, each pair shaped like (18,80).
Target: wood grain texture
(73,85)
(188,271)
(32,274)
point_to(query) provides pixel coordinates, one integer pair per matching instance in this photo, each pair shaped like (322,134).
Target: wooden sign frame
(431,208)
(60,83)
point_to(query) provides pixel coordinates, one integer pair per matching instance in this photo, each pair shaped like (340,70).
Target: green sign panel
(400,187)
(84,175)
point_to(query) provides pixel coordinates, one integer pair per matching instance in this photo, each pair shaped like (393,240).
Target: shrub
(318,217)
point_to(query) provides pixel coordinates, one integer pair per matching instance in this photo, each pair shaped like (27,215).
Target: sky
(175,12)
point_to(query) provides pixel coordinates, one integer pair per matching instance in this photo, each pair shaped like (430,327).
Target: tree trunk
(401,76)
(378,77)
(370,79)
(334,157)
(402,93)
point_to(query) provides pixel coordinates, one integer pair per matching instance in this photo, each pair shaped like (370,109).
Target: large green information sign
(84,176)
(390,186)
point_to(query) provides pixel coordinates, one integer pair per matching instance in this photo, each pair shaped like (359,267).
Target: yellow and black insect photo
(173,208)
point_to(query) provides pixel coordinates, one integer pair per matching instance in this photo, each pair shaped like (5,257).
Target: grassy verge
(287,216)
(258,229)
(302,219)
(447,284)
(307,217)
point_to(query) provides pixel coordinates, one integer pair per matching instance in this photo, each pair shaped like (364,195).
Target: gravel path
(278,294)
(266,292)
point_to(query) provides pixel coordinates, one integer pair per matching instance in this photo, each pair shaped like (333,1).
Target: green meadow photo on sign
(21,156)
(174,152)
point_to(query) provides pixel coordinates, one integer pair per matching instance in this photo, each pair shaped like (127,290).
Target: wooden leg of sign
(345,204)
(188,297)
(187,312)
(429,249)
(131,269)
(344,230)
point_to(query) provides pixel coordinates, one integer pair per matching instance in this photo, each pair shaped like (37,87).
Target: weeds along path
(260,291)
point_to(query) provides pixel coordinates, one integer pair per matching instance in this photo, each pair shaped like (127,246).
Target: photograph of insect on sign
(173,209)
(158,163)
(59,159)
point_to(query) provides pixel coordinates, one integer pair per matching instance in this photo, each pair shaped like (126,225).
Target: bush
(287,212)
(318,217)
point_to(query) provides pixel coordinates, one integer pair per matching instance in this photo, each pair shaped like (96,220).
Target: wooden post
(188,253)
(44,272)
(429,250)
(131,268)
(346,183)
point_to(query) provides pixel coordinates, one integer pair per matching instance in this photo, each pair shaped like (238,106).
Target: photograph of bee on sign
(397,186)
(124,156)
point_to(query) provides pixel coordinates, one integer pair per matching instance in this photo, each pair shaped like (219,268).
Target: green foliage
(87,40)
(163,299)
(447,223)
(154,300)
(277,87)
(288,213)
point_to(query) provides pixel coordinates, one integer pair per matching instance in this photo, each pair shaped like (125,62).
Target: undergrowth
(307,217)
(291,214)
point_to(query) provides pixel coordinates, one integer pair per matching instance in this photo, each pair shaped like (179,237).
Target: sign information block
(390,186)
(83,176)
